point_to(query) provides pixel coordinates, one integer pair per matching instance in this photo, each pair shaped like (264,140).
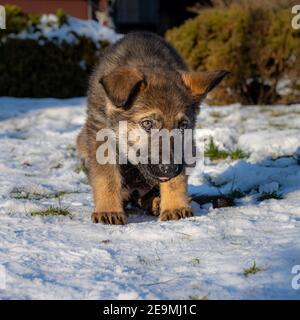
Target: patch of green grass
(213,152)
(195,261)
(238,154)
(252,270)
(270,195)
(51,211)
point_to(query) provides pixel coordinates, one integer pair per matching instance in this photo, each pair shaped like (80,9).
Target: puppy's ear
(200,83)
(121,85)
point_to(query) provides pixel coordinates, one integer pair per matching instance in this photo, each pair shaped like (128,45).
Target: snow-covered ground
(49,29)
(204,257)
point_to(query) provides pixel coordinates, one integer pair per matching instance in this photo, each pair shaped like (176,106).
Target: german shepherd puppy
(141,79)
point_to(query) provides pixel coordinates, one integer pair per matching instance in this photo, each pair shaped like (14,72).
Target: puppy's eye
(147,124)
(183,124)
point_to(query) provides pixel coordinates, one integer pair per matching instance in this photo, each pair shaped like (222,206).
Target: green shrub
(40,67)
(257,45)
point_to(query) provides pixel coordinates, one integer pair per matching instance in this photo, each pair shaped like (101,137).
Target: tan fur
(82,145)
(174,203)
(200,83)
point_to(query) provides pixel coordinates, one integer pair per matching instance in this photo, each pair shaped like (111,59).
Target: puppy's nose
(168,169)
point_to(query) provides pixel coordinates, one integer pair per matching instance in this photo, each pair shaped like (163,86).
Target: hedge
(257,45)
(32,65)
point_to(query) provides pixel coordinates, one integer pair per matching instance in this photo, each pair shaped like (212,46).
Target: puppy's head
(151,100)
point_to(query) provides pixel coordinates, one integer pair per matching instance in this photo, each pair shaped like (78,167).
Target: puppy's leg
(151,202)
(82,149)
(82,144)
(106,184)
(155,206)
(174,203)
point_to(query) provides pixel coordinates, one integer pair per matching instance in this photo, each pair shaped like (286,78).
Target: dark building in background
(125,15)
(151,15)
(135,14)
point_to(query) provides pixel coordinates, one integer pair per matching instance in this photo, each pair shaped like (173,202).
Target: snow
(48,29)
(284,87)
(63,257)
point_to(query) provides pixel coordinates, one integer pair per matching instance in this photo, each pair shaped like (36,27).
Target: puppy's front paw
(176,214)
(155,206)
(109,217)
